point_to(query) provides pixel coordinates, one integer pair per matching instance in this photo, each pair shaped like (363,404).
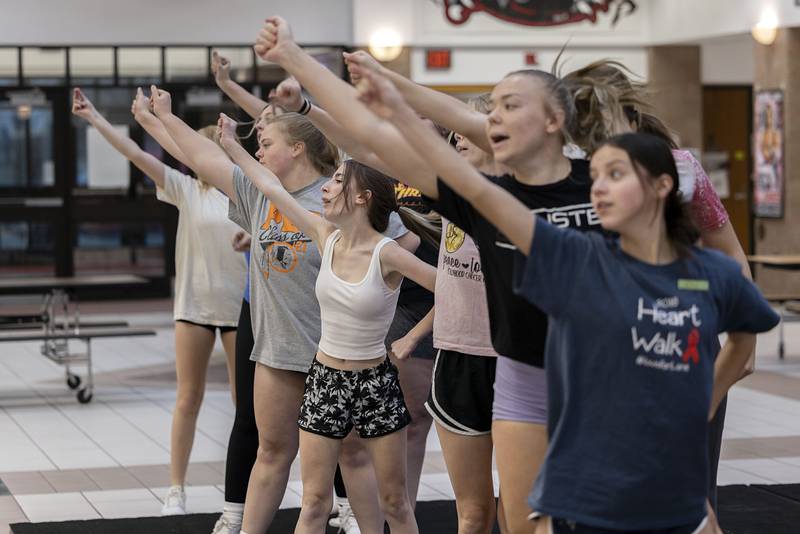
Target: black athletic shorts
(211,327)
(462,392)
(406,317)
(336,400)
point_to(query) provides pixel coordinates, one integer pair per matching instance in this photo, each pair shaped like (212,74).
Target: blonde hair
(321,153)
(209,132)
(606,96)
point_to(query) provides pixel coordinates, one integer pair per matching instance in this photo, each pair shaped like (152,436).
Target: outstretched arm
(205,157)
(140,108)
(289,96)
(250,103)
(441,108)
(275,43)
(309,223)
(499,206)
(147,163)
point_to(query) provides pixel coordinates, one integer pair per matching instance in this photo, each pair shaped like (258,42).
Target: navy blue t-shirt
(630,365)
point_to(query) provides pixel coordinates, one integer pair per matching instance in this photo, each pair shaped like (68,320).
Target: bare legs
(469,465)
(277,396)
(318,457)
(193,346)
(520,449)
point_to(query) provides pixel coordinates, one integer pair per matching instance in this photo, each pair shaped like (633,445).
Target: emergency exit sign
(437,59)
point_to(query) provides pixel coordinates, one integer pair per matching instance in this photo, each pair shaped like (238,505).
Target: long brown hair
(382,201)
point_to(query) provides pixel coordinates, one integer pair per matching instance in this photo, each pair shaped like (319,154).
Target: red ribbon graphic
(691,349)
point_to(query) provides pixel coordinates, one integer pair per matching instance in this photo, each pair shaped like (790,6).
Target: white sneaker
(345,521)
(223,526)
(174,502)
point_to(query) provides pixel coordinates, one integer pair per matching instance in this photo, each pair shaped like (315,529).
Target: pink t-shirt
(705,207)
(461,322)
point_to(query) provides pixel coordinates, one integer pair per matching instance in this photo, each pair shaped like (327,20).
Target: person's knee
(275,451)
(188,401)
(395,504)
(316,505)
(476,517)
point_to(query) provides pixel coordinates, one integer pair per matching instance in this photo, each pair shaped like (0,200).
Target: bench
(56,348)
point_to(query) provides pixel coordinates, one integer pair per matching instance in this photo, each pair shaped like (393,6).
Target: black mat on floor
(758,509)
(435,517)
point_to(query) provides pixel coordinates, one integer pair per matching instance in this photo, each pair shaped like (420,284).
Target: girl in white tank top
(351,384)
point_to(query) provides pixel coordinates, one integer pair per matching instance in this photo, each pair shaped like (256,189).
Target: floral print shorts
(370,400)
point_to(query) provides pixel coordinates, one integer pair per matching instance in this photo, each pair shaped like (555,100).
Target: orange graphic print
(282,243)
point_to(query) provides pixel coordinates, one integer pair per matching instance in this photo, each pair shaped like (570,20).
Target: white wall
(728,60)
(688,20)
(61,22)
(477,66)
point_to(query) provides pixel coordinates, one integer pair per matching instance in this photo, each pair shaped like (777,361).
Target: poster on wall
(768,154)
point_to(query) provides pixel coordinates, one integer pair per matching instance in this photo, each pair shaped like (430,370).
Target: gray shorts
(406,317)
(520,392)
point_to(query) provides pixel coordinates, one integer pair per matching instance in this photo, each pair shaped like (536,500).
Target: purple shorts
(520,392)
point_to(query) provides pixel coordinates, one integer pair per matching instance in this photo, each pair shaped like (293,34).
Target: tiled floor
(61,460)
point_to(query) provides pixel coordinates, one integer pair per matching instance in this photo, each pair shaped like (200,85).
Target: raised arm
(205,157)
(340,100)
(309,223)
(499,206)
(250,103)
(140,108)
(289,96)
(439,107)
(147,163)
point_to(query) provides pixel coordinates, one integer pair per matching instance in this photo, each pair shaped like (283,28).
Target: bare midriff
(348,365)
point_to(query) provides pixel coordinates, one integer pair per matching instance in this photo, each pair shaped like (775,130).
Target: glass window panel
(26,249)
(8,66)
(119,248)
(186,63)
(40,136)
(44,66)
(91,62)
(139,63)
(13,171)
(241,59)
(114,104)
(26,146)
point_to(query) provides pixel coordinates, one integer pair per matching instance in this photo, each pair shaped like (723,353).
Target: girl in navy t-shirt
(633,323)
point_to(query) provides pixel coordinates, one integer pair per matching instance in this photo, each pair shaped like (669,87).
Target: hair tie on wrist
(305,108)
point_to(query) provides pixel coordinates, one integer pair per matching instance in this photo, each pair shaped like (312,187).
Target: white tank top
(355,315)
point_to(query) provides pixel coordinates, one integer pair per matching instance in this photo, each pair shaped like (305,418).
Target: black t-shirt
(410,291)
(518,328)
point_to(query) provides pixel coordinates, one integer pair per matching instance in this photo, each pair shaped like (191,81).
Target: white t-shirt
(209,275)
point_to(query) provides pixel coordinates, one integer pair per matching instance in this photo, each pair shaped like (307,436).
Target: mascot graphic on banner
(538,12)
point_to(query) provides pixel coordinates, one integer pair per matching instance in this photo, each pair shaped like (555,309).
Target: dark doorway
(727,127)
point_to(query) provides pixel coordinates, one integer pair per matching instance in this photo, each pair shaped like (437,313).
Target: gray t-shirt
(284,266)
